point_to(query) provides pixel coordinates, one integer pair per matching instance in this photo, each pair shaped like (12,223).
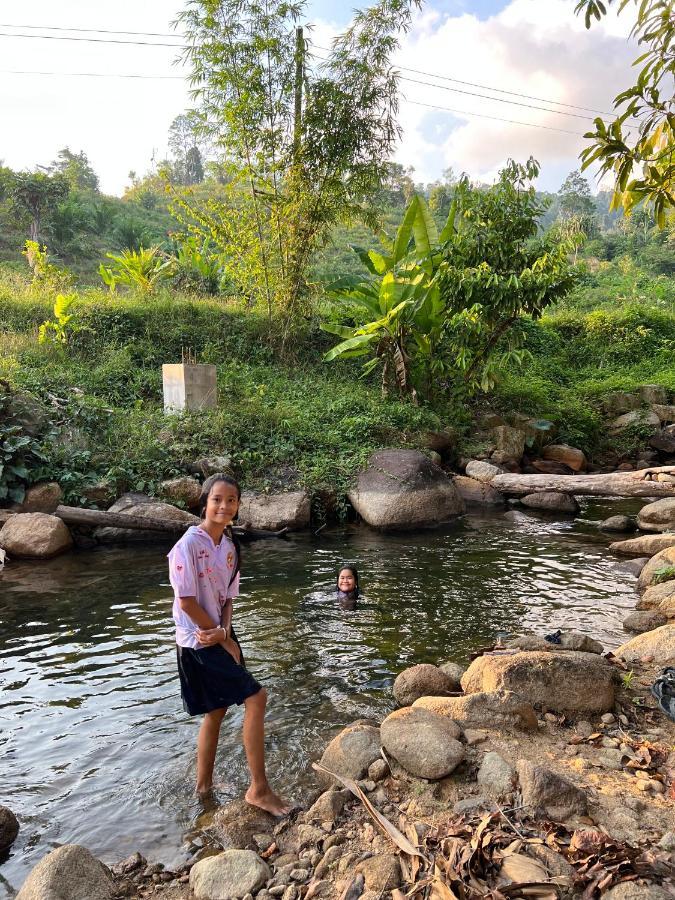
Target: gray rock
(657,645)
(144,507)
(571,457)
(644,620)
(236,823)
(471,805)
(571,682)
(331,856)
(423,680)
(509,441)
(620,402)
(658,516)
(665,413)
(637,417)
(575,640)
(551,501)
(631,890)
(494,710)
(381,872)
(474,736)
(424,743)
(351,752)
(182,490)
(9,827)
(548,794)
(667,841)
(617,523)
(328,806)
(43,497)
(634,566)
(455,672)
(403,489)
(378,770)
(211,465)
(481,471)
(555,863)
(271,512)
(477,493)
(496,776)
(68,873)
(653,393)
(231,874)
(664,441)
(35,536)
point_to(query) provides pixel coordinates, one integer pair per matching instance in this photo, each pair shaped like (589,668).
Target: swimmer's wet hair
(350,567)
(207,487)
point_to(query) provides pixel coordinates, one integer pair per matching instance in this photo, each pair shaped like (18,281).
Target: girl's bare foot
(266,799)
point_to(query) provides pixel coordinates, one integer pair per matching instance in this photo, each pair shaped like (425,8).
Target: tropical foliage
(143,270)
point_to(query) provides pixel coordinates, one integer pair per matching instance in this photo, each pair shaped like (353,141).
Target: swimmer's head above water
(348,582)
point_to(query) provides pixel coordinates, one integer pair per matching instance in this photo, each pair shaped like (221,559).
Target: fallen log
(97,518)
(612,484)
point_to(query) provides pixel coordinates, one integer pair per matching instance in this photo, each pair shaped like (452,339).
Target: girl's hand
(209,637)
(233,649)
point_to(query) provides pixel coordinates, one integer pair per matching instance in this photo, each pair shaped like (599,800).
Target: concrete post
(189,387)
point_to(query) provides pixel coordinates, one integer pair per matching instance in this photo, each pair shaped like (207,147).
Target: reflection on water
(95,747)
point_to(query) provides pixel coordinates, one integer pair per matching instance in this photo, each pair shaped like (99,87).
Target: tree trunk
(613,484)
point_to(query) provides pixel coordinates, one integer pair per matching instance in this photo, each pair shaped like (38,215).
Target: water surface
(94,745)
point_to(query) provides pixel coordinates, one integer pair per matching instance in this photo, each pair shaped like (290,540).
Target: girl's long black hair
(355,572)
(207,487)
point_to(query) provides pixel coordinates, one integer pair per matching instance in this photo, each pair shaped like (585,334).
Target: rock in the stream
(43,497)
(644,620)
(482,471)
(454,671)
(381,872)
(663,559)
(659,596)
(423,680)
(657,645)
(548,794)
(496,776)
(569,456)
(477,493)
(271,512)
(551,501)
(617,523)
(237,822)
(35,536)
(635,566)
(68,873)
(9,827)
(646,545)
(424,743)
(144,507)
(404,489)
(494,710)
(351,752)
(182,490)
(566,682)
(658,516)
(229,875)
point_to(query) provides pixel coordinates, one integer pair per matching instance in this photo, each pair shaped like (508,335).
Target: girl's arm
(197,613)
(226,616)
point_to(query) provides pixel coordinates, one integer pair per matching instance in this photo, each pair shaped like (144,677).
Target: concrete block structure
(189,387)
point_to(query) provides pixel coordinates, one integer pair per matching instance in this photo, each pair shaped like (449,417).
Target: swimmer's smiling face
(346,581)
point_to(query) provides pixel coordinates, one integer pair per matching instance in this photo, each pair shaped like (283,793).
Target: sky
(528,47)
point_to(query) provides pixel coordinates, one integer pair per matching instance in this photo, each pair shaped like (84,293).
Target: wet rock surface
(35,536)
(421,681)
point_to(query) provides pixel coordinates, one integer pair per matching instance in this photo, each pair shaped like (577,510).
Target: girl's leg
(207,743)
(259,793)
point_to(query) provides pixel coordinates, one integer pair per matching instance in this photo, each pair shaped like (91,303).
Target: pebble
(608,719)
(333,841)
(667,842)
(277,890)
(290,893)
(300,874)
(610,742)
(475,736)
(315,857)
(657,787)
(584,729)
(378,770)
(248,896)
(624,720)
(368,785)
(327,827)
(641,775)
(642,786)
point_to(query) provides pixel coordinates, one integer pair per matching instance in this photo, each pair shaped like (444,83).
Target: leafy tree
(184,142)
(193,172)
(38,195)
(449,307)
(76,169)
(641,156)
(307,145)
(575,197)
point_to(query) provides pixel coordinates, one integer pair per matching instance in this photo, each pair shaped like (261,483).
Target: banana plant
(143,270)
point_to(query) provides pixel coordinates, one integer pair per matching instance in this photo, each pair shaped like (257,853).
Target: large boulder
(423,680)
(182,490)
(665,413)
(650,574)
(637,418)
(664,441)
(617,523)
(571,681)
(646,545)
(351,752)
(510,442)
(653,393)
(644,620)
(404,489)
(498,710)
(236,823)
(658,516)
(547,467)
(496,776)
(482,471)
(547,794)
(477,493)
(568,639)
(9,828)
(620,402)
(229,875)
(632,890)
(68,873)
(659,596)
(42,497)
(142,506)
(35,536)
(657,646)
(551,501)
(271,512)
(569,456)
(424,743)
(211,465)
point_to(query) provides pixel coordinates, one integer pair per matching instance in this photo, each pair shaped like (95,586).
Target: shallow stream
(94,745)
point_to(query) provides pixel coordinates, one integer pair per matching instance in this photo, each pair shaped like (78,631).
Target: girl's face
(346,581)
(222,504)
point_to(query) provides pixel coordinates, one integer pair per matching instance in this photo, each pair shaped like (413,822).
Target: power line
(97,30)
(57,37)
(92,74)
(465,112)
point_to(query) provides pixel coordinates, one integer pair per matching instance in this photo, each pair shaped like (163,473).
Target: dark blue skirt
(211,679)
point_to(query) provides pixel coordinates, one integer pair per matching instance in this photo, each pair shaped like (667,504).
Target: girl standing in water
(204,573)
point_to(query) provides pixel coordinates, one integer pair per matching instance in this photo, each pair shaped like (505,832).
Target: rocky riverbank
(545,769)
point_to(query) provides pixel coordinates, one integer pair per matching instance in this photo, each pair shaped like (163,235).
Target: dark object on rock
(549,794)
(644,620)
(664,691)
(617,523)
(9,827)
(554,638)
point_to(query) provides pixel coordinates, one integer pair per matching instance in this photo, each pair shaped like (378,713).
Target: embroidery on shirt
(230,559)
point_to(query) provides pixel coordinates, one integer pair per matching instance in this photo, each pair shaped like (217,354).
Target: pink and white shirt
(202,569)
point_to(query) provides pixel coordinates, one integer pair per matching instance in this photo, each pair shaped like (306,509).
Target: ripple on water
(96,748)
